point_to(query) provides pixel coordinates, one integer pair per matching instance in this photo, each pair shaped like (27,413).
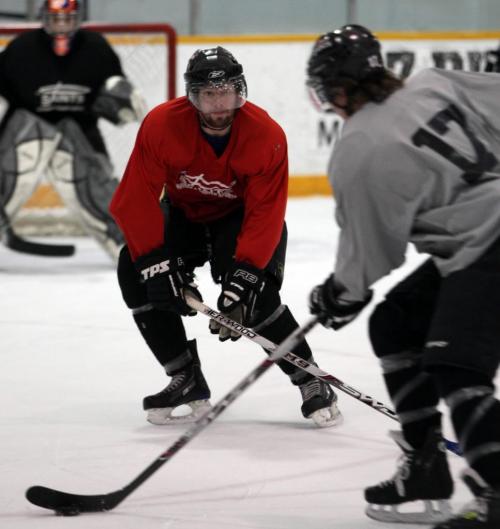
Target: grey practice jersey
(422,167)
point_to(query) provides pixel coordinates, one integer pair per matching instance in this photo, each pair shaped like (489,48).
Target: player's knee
(267,305)
(388,330)
(133,291)
(452,379)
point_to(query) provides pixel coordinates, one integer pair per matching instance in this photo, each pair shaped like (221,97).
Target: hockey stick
(68,504)
(16,243)
(452,446)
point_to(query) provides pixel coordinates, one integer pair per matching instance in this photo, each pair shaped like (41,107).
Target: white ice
(74,370)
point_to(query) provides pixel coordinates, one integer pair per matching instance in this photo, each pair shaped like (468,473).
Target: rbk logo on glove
(240,290)
(247,276)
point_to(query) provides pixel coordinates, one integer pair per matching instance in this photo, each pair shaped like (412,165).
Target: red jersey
(170,152)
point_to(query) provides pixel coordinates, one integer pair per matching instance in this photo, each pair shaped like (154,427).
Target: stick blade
(68,504)
(17,244)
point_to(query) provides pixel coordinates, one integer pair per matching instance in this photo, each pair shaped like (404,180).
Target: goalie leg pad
(84,180)
(26,147)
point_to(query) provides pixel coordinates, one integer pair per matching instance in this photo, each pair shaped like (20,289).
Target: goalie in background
(224,165)
(418,162)
(58,80)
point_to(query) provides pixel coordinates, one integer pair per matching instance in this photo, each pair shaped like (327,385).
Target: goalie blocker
(84,180)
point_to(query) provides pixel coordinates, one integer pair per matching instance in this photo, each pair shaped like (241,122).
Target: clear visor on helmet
(61,23)
(218,97)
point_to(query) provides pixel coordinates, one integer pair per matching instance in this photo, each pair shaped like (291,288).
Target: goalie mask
(216,86)
(61,19)
(351,52)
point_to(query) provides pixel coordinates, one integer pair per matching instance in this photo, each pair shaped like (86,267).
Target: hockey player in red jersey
(57,81)
(419,162)
(221,164)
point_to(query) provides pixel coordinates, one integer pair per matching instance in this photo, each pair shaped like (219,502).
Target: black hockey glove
(167,281)
(240,289)
(333,312)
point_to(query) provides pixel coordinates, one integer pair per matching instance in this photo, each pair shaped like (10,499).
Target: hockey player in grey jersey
(419,162)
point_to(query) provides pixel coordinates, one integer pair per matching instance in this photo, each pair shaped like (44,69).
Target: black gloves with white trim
(167,282)
(332,311)
(240,290)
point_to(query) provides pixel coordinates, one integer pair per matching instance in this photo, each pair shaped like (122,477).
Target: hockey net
(147,53)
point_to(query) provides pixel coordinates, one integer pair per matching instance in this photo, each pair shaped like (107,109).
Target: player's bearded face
(218,105)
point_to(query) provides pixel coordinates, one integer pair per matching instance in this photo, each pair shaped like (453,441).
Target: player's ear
(339,100)
(339,93)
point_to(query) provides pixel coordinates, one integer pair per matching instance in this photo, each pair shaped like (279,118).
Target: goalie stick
(68,504)
(16,243)
(452,446)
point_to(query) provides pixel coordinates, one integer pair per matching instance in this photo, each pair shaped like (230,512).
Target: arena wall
(275,70)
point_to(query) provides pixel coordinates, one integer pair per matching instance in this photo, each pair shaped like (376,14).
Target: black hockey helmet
(214,68)
(350,52)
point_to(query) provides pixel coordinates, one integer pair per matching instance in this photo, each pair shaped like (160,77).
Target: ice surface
(74,371)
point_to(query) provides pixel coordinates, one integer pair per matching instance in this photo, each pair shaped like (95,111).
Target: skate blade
(435,511)
(162,416)
(327,417)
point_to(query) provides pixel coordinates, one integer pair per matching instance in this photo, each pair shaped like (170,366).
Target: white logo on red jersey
(198,183)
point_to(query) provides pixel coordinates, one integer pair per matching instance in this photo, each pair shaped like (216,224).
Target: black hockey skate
(483,512)
(320,403)
(422,475)
(187,387)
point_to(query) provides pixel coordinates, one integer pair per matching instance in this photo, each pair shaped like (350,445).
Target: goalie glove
(240,291)
(167,282)
(332,311)
(492,61)
(119,102)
